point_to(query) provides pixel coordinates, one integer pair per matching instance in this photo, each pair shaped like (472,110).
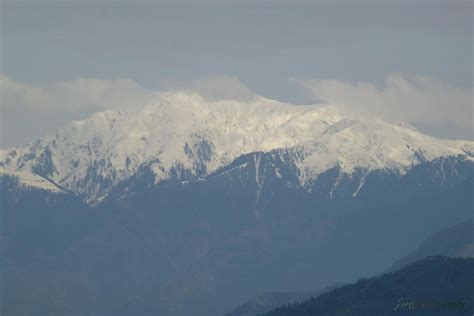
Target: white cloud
(74,95)
(29,111)
(80,94)
(412,98)
(219,87)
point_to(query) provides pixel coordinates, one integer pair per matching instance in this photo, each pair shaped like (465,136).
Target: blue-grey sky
(280,50)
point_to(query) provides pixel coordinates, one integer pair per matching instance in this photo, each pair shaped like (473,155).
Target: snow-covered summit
(185,131)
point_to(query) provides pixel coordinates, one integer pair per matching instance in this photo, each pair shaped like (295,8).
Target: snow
(278,173)
(442,170)
(259,180)
(29,180)
(336,184)
(361,184)
(113,145)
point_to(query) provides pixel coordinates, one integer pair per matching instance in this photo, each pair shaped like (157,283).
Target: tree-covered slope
(434,286)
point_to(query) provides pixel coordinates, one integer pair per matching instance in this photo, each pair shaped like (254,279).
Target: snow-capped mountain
(186,137)
(195,199)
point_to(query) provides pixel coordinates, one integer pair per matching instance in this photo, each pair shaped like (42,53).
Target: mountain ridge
(186,137)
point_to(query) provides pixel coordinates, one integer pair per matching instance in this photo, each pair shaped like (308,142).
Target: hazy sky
(402,60)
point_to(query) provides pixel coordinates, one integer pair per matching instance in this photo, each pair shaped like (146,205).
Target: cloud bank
(84,93)
(74,95)
(30,111)
(408,98)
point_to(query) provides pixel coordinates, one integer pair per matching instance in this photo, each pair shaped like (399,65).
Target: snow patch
(336,184)
(361,184)
(28,180)
(259,181)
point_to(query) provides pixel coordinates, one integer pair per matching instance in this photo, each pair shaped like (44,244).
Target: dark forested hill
(454,241)
(434,286)
(269,301)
